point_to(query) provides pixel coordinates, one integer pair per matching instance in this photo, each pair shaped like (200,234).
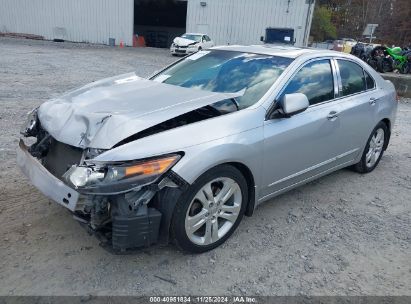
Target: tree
(322,27)
(351,16)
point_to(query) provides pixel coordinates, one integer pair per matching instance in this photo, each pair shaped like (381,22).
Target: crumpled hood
(103,113)
(180,41)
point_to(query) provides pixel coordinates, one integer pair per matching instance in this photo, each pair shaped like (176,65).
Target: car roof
(277,50)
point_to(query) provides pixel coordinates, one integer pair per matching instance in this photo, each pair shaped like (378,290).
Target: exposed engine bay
(207,112)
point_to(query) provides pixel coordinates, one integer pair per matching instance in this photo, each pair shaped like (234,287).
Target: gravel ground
(345,234)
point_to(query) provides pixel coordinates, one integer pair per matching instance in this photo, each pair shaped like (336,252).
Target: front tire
(387,65)
(373,150)
(210,210)
(405,68)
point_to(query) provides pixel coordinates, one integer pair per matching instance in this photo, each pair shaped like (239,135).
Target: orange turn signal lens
(152,167)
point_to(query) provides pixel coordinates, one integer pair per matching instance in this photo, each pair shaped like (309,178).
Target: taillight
(397,97)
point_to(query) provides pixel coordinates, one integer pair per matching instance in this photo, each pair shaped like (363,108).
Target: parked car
(329,43)
(325,45)
(344,45)
(190,43)
(338,45)
(349,41)
(185,154)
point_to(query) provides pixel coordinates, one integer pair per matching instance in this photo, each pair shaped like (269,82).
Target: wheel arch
(246,169)
(248,175)
(387,122)
(166,199)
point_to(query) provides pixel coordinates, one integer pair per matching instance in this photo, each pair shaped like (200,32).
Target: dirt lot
(345,234)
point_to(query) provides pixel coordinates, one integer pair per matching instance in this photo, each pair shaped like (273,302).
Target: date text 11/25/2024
(203,299)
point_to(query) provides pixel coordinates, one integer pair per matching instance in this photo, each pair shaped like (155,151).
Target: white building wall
(245,21)
(93,21)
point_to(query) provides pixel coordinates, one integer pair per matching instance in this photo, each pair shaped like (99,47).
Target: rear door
(357,105)
(206,42)
(209,42)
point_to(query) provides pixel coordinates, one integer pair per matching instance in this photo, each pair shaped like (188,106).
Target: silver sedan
(184,155)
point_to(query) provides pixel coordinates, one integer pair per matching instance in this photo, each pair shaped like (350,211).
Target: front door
(306,144)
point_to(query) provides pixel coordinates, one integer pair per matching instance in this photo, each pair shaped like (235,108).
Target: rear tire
(210,210)
(373,150)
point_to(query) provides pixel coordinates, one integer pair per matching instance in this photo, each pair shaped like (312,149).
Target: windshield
(227,72)
(192,37)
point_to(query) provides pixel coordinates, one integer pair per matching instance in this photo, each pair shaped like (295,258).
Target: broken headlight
(106,178)
(29,128)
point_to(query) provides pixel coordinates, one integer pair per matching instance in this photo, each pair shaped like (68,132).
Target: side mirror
(262,38)
(295,103)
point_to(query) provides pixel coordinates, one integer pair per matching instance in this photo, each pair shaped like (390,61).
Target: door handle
(332,115)
(373,101)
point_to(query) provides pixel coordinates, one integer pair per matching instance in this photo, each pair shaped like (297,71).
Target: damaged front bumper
(43,180)
(125,220)
(178,50)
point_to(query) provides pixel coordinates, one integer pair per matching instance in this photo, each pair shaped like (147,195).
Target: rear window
(369,81)
(352,77)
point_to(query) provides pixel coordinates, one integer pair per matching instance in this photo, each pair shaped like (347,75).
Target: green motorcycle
(395,59)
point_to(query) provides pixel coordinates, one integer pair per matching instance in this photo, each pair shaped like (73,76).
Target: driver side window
(315,80)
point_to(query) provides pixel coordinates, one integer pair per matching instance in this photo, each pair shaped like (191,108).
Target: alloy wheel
(213,211)
(375,147)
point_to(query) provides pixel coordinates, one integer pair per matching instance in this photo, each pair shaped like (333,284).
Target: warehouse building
(159,21)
